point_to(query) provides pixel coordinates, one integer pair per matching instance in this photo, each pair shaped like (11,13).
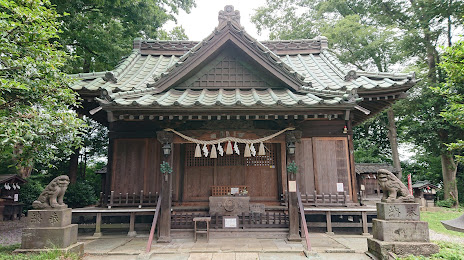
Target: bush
(448,203)
(29,192)
(80,194)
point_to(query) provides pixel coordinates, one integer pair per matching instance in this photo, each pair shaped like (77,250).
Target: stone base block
(381,249)
(51,237)
(49,218)
(400,231)
(398,211)
(77,248)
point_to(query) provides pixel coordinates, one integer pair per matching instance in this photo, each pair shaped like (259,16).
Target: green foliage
(370,141)
(29,193)
(165,168)
(80,194)
(6,253)
(448,203)
(453,90)
(36,123)
(292,167)
(100,33)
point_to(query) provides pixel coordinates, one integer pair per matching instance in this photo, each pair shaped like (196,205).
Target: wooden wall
(135,165)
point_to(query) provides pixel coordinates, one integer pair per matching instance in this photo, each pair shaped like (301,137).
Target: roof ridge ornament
(229,14)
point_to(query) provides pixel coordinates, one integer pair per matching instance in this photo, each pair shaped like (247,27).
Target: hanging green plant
(292,167)
(166,168)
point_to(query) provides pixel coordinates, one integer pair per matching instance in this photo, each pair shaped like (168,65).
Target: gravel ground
(10,231)
(442,237)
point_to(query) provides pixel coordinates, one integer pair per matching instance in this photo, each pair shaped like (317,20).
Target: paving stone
(169,257)
(247,256)
(103,246)
(200,256)
(282,256)
(223,256)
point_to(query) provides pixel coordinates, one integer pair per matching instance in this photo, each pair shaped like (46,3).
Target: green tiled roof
(309,75)
(223,97)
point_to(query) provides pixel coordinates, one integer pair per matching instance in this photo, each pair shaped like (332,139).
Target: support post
(98,225)
(328,217)
(293,233)
(166,187)
(132,232)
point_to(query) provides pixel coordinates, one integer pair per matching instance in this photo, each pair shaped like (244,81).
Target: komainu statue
(393,189)
(52,195)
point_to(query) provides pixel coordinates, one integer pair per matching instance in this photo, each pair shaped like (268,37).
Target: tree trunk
(24,170)
(449,170)
(73,166)
(393,138)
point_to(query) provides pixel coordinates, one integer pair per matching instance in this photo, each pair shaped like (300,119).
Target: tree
(36,122)
(453,90)
(100,33)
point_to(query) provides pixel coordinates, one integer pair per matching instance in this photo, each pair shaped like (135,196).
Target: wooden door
(331,164)
(136,165)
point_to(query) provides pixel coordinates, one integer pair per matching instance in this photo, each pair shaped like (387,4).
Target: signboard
(292,186)
(234,191)
(340,187)
(230,222)
(363,187)
(16,197)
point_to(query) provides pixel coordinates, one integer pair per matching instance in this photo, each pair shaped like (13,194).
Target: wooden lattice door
(258,173)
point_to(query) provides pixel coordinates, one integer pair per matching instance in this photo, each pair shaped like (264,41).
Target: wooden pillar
(354,185)
(166,187)
(109,169)
(293,234)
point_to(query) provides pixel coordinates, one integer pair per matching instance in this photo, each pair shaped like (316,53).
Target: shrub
(29,192)
(448,203)
(80,194)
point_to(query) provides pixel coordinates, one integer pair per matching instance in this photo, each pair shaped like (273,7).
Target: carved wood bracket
(165,137)
(293,136)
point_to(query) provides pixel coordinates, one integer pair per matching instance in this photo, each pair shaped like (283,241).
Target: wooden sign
(340,187)
(291,186)
(230,222)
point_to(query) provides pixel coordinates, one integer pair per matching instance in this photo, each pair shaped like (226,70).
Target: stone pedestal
(50,229)
(398,230)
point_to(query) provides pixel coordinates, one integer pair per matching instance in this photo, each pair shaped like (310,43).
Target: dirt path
(442,237)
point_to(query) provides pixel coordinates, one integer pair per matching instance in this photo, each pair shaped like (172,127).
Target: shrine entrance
(258,173)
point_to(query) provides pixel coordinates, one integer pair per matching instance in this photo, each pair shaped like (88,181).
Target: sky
(203,18)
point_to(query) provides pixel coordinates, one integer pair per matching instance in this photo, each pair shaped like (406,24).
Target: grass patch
(6,253)
(434,218)
(449,251)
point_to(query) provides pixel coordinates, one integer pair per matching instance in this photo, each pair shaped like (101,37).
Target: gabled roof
(160,74)
(8,177)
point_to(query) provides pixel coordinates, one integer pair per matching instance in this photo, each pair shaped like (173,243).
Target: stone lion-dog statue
(393,189)
(52,195)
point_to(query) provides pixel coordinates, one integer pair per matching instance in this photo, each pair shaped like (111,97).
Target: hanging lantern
(220,150)
(247,151)
(261,151)
(237,151)
(198,151)
(213,152)
(205,150)
(252,150)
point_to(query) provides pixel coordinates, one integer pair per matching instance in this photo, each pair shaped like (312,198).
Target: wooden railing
(303,219)
(153,225)
(324,199)
(140,199)
(184,220)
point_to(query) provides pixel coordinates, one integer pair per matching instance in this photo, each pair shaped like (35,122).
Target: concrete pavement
(323,246)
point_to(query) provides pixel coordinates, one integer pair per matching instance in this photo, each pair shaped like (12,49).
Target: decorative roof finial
(229,14)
